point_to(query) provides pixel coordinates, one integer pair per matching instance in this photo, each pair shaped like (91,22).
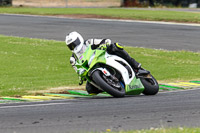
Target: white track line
(148,22)
(32,105)
(111,20)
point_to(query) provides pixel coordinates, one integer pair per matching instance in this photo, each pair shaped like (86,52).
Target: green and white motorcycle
(113,74)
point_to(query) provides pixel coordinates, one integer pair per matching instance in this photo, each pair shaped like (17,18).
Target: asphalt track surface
(170,109)
(160,36)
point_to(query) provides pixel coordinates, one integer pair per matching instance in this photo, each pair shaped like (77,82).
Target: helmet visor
(75,43)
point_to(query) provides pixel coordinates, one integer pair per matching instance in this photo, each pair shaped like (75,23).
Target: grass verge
(35,64)
(175,16)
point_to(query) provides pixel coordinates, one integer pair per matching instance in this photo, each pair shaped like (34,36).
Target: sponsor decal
(81,57)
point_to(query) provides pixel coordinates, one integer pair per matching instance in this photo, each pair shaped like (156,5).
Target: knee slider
(119,46)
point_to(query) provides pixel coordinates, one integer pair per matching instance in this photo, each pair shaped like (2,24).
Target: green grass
(162,130)
(168,65)
(112,12)
(34,64)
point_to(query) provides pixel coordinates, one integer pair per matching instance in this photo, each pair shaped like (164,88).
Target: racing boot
(142,72)
(139,71)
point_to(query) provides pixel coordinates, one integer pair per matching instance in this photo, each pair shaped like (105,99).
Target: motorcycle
(112,74)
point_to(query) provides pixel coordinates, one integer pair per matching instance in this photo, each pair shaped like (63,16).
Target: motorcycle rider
(78,45)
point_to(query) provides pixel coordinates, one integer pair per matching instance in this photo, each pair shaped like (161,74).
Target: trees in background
(152,3)
(5,2)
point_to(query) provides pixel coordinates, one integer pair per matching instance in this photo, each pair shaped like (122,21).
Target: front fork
(80,81)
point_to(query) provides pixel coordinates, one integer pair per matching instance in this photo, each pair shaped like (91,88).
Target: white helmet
(74,41)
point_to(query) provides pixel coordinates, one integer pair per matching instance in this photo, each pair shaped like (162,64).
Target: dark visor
(74,44)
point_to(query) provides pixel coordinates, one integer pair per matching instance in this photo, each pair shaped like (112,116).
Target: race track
(171,109)
(172,37)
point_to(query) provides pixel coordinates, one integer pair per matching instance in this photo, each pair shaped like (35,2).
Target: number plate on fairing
(135,87)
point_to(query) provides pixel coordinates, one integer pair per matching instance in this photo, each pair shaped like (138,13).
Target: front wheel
(105,83)
(151,86)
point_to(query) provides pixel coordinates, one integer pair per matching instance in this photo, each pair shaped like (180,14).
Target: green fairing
(83,63)
(99,57)
(135,87)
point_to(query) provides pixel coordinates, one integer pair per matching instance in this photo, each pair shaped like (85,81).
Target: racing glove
(73,62)
(103,46)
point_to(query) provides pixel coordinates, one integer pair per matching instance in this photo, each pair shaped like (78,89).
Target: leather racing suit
(115,49)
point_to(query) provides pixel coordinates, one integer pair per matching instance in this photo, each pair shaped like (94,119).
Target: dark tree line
(173,2)
(152,3)
(5,2)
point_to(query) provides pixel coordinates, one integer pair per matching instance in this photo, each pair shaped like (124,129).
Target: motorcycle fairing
(90,58)
(135,87)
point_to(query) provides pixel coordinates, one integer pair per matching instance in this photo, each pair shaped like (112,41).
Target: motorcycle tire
(98,78)
(151,86)
(91,89)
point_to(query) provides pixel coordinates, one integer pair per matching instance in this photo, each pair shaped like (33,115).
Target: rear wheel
(109,85)
(151,86)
